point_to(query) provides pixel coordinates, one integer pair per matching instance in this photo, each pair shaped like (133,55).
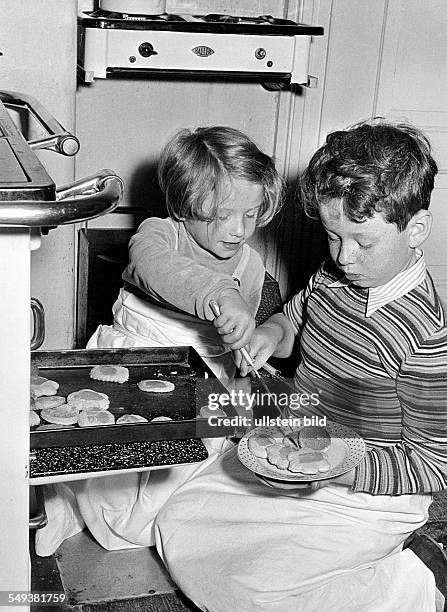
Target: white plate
(346,451)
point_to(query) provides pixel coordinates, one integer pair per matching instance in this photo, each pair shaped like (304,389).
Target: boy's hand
(235,323)
(346,479)
(262,345)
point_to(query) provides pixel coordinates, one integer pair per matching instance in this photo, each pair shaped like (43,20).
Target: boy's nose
(345,255)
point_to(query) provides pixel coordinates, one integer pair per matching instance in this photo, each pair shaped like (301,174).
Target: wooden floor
(96,580)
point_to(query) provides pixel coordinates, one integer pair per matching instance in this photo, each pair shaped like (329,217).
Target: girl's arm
(418,464)
(158,269)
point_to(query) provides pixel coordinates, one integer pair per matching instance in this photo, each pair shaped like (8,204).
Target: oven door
(29,200)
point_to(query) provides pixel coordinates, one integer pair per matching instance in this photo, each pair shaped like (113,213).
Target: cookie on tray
(48,401)
(130,418)
(66,414)
(110,373)
(43,386)
(86,418)
(86,398)
(156,386)
(34,418)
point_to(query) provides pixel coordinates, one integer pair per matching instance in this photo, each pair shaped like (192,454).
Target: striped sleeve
(294,309)
(417,464)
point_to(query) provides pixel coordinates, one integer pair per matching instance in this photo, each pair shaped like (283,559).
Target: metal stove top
(212,22)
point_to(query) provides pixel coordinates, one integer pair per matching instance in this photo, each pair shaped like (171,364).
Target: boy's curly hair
(373,166)
(196,163)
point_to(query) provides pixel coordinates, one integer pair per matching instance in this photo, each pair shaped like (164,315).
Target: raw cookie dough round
(314,437)
(43,386)
(86,398)
(110,373)
(34,418)
(258,445)
(87,418)
(66,414)
(156,386)
(160,419)
(278,455)
(48,401)
(131,418)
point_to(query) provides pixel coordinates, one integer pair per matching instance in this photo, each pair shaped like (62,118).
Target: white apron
(119,510)
(232,543)
(137,323)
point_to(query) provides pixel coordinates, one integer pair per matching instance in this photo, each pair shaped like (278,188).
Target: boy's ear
(419,228)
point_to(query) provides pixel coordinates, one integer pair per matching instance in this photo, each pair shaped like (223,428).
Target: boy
(370,324)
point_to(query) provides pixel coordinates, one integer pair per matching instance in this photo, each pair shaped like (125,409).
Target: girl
(219,188)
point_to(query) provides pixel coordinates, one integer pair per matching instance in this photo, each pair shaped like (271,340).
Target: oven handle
(84,199)
(58,138)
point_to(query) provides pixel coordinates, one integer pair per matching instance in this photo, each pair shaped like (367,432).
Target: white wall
(38,42)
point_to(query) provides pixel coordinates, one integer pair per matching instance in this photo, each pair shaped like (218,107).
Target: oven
(30,203)
(171,429)
(265,48)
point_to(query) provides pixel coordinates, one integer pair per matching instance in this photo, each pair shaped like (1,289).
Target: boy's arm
(418,464)
(276,336)
(160,271)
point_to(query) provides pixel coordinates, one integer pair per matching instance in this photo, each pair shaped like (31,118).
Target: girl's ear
(419,228)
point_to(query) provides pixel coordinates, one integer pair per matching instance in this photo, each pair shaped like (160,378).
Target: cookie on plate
(87,418)
(156,386)
(110,373)
(43,386)
(86,398)
(314,437)
(278,455)
(258,445)
(308,461)
(131,418)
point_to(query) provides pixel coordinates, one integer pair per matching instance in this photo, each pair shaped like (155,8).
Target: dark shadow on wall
(301,242)
(144,194)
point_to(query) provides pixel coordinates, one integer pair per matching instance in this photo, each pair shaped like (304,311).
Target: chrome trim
(84,199)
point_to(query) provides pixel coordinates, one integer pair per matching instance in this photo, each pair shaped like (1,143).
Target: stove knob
(260,53)
(146,49)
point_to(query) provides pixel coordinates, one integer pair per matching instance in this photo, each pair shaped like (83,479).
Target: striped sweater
(378,359)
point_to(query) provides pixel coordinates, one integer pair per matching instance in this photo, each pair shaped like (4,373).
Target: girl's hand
(235,323)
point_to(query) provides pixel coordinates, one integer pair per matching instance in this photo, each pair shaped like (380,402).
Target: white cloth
(231,543)
(119,510)
(140,324)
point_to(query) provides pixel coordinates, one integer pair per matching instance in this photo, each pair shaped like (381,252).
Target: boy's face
(369,253)
(235,222)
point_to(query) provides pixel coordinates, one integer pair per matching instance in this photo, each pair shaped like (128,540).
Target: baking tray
(129,446)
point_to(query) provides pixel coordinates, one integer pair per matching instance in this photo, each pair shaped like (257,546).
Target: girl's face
(369,253)
(235,222)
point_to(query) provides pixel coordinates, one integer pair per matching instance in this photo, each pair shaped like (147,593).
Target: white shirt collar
(397,287)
